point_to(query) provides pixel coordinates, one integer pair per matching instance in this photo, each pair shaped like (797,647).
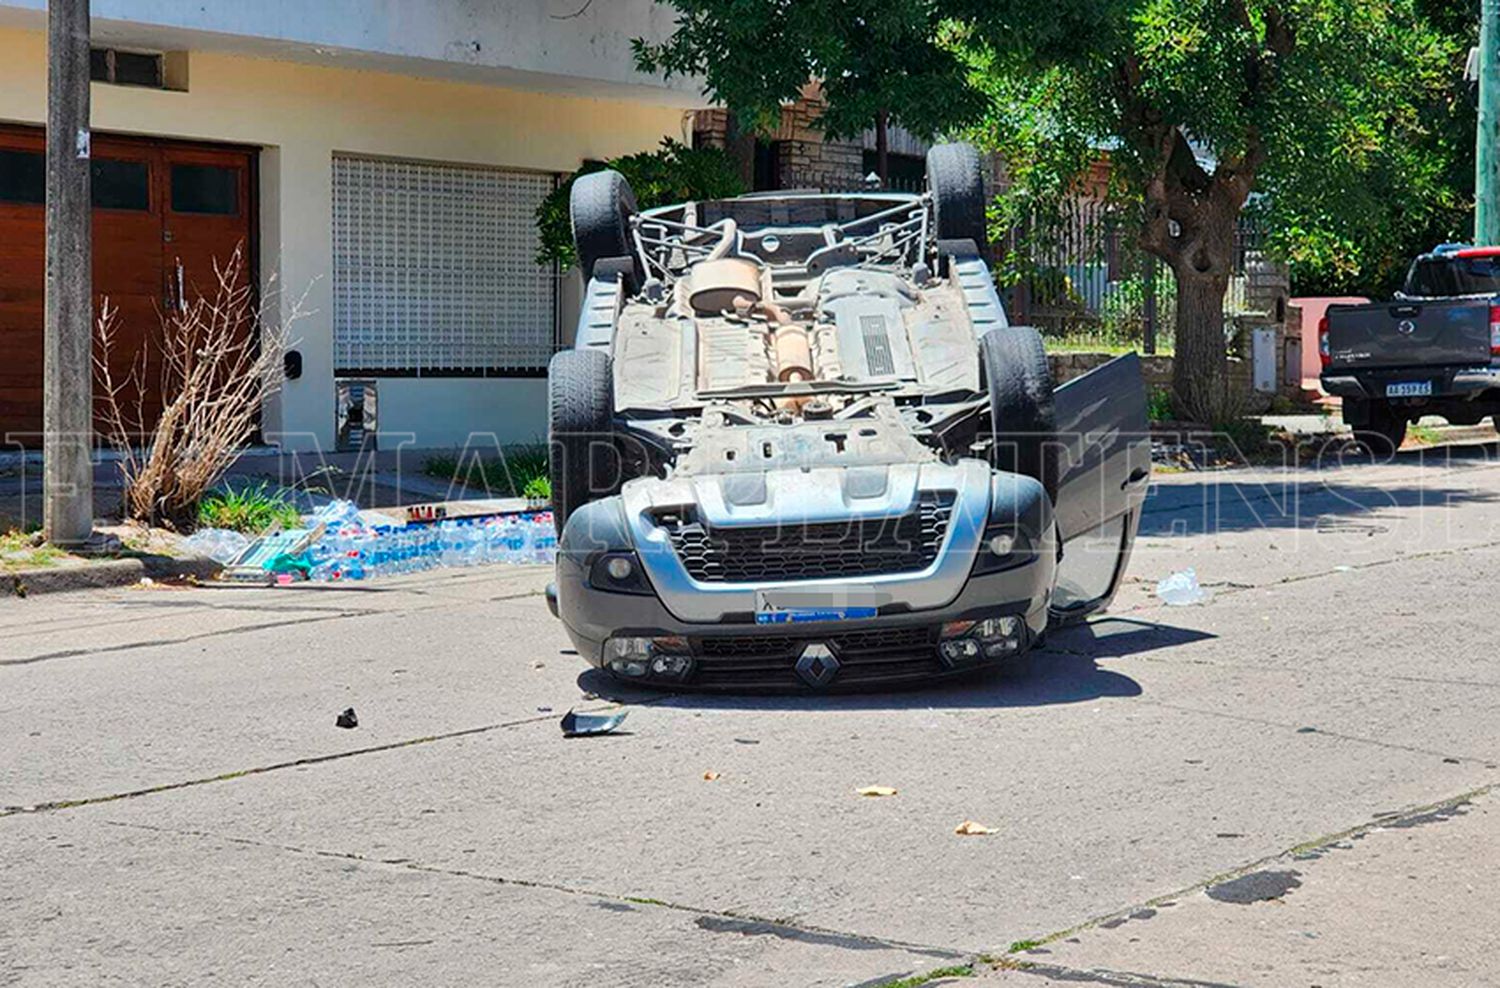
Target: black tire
(957,185)
(1022,415)
(580,405)
(600,206)
(1384,433)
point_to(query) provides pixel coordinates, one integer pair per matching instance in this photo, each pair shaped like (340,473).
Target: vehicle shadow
(1064,670)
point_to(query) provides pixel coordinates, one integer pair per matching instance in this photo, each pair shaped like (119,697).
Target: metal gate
(435,272)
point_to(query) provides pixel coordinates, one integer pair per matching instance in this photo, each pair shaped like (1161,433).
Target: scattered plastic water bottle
(351,549)
(1181,589)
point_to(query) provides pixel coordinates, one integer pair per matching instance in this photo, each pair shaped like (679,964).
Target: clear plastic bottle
(544,538)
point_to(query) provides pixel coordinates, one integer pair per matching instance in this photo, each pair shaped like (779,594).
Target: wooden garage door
(164,214)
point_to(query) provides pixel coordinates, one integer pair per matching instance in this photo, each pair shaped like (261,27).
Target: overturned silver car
(797,445)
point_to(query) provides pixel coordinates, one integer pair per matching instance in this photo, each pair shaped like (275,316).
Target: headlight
(619,572)
(1002,548)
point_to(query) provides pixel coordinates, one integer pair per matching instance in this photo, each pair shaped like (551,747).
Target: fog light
(1002,544)
(665,656)
(619,568)
(627,648)
(634,668)
(992,638)
(674,666)
(959,650)
(998,628)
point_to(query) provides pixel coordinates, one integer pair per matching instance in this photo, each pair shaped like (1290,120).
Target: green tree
(880,62)
(673,173)
(1318,114)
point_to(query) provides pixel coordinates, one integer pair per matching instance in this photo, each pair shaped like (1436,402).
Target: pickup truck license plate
(1408,389)
(798,606)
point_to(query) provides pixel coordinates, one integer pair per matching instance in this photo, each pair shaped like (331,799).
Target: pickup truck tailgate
(1448,332)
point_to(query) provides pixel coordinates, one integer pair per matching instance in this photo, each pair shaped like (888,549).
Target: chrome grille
(824,550)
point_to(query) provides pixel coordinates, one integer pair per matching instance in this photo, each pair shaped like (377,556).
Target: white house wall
(580,46)
(300,115)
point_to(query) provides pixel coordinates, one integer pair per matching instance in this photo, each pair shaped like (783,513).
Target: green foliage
(1345,120)
(672,174)
(251,509)
(538,489)
(518,471)
(871,56)
(1159,405)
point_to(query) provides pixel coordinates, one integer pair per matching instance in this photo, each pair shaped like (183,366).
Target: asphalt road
(1289,785)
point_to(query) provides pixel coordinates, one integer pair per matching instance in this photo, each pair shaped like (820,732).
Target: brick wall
(807,161)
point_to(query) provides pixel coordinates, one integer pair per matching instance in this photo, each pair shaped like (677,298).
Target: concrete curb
(103,573)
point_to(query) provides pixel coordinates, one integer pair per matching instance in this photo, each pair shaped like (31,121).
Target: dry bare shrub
(216,361)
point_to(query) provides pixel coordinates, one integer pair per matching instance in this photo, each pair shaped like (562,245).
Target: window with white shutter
(435,272)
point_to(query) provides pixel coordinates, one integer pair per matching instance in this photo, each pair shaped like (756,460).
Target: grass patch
(1021,946)
(958,971)
(18,551)
(518,471)
(1424,435)
(251,509)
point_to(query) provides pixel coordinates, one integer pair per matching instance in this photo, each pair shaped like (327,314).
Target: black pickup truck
(1432,350)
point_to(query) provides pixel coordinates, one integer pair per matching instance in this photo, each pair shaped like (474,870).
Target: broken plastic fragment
(1181,589)
(347,719)
(579,725)
(876,791)
(971,829)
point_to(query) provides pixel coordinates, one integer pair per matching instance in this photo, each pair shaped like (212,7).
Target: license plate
(798,606)
(1408,389)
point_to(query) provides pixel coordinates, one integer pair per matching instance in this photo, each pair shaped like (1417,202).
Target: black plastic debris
(347,719)
(576,725)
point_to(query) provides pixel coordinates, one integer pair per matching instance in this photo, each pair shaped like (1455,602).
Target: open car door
(1104,469)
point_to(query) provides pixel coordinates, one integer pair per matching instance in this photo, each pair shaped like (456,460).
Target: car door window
(1087,570)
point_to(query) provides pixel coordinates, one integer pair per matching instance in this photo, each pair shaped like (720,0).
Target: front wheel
(1022,415)
(580,406)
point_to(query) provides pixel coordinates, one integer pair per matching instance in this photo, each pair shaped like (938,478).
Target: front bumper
(730,650)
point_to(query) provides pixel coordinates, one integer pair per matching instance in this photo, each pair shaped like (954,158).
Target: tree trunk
(1200,368)
(739,145)
(883,148)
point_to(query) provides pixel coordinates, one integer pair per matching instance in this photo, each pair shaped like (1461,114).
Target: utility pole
(68,394)
(1487,148)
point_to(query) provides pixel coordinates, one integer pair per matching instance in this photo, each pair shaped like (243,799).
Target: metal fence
(1092,286)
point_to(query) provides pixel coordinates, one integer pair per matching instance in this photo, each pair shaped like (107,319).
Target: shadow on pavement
(1294,501)
(1062,671)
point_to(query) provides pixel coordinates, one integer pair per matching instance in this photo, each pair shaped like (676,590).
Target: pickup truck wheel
(580,406)
(1384,433)
(957,185)
(600,206)
(1021,410)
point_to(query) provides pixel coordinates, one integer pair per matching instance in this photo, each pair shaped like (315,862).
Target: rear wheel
(600,206)
(1021,411)
(1385,431)
(957,185)
(580,405)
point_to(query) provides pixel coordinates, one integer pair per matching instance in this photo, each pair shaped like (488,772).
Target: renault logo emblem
(1406,327)
(817,666)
